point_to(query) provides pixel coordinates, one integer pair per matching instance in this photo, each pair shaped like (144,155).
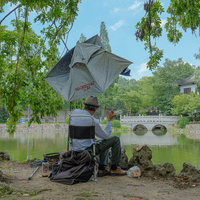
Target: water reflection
(149,138)
(140,132)
(159,132)
(165,148)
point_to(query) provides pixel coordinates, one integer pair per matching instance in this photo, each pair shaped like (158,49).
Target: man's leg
(114,143)
(101,148)
(104,158)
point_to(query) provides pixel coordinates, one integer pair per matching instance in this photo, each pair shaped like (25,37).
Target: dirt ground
(106,188)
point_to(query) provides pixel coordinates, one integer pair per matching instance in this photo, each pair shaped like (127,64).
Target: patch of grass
(33,193)
(104,121)
(118,129)
(83,196)
(5,191)
(8,169)
(57,125)
(121,128)
(118,133)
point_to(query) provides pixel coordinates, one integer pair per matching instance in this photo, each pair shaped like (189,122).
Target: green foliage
(184,104)
(197,78)
(116,124)
(182,122)
(150,26)
(104,121)
(67,120)
(5,190)
(164,83)
(104,37)
(4,115)
(82,38)
(132,101)
(184,14)
(26,58)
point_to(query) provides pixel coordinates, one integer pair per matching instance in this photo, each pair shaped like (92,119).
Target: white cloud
(117,25)
(142,68)
(163,22)
(116,10)
(135,5)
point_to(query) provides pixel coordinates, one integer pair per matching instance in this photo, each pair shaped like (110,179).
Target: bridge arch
(160,131)
(140,129)
(161,127)
(139,126)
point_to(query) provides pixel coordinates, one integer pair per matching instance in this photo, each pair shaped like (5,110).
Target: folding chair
(81,133)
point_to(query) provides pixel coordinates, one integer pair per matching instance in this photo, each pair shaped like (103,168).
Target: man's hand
(111,114)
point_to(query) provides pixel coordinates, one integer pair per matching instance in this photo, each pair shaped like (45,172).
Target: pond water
(165,148)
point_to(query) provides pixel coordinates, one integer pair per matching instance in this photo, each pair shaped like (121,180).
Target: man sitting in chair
(102,145)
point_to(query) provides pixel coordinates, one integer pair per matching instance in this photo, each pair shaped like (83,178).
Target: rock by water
(142,159)
(4,156)
(124,163)
(191,172)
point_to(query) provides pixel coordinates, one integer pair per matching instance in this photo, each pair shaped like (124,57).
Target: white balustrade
(146,119)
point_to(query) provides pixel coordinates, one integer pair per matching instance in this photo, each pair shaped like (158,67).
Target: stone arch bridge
(150,122)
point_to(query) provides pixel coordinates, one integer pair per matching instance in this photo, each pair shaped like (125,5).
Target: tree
(26,58)
(146,91)
(3,114)
(82,38)
(118,105)
(104,37)
(183,14)
(106,97)
(187,105)
(164,83)
(127,85)
(132,101)
(197,71)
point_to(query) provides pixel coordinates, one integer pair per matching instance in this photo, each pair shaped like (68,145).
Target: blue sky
(120,17)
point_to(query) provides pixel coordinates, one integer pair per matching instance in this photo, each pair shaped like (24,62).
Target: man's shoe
(102,173)
(118,172)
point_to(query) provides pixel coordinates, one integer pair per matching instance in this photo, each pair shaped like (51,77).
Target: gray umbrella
(86,70)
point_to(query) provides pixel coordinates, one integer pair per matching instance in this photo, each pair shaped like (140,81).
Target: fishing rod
(33,173)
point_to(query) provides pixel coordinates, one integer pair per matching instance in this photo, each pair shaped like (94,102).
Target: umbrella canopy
(86,70)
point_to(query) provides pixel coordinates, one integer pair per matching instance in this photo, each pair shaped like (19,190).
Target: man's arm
(100,132)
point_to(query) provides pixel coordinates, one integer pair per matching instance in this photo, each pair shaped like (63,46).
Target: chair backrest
(82,132)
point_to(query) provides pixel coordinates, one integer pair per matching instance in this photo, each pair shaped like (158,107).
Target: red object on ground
(135,199)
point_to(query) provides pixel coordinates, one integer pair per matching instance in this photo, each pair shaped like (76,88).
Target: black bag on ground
(74,168)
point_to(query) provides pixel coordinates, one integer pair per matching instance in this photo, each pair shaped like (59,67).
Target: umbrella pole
(70,108)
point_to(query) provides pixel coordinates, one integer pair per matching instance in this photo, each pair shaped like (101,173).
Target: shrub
(67,120)
(104,121)
(183,121)
(116,124)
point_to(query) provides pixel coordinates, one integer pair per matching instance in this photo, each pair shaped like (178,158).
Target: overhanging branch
(10,12)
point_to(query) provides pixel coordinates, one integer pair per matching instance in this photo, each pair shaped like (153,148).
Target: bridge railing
(141,118)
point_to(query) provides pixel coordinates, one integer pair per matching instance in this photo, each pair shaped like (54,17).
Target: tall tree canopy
(26,58)
(183,14)
(104,37)
(106,97)
(164,82)
(82,38)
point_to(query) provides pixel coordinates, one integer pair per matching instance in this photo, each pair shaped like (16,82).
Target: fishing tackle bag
(74,168)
